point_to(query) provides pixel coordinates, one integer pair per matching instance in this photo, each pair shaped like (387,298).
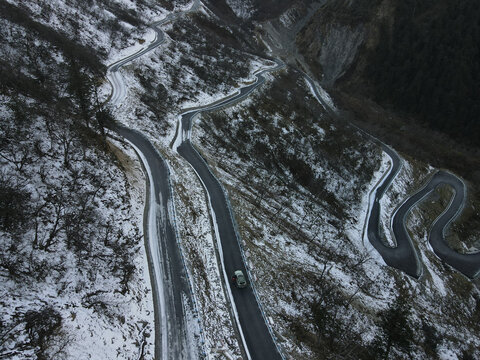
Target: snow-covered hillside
(189,71)
(85,290)
(243,9)
(74,280)
(300,182)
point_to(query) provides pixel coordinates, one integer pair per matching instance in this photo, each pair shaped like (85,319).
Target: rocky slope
(412,59)
(394,85)
(299,182)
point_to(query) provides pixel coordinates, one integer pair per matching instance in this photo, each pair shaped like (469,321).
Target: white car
(239,279)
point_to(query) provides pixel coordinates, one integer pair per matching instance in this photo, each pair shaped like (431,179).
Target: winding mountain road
(256,335)
(467,264)
(404,256)
(172,295)
(171,290)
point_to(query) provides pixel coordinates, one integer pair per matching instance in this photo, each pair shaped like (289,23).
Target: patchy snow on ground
(321,95)
(285,230)
(277,233)
(80,268)
(101,314)
(200,250)
(193,218)
(272,243)
(134,46)
(360,225)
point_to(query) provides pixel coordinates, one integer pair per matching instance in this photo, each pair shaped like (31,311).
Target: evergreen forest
(427,64)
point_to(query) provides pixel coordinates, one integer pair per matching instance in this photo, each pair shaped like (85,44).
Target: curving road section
(467,264)
(116,79)
(257,337)
(171,289)
(172,295)
(173,299)
(404,256)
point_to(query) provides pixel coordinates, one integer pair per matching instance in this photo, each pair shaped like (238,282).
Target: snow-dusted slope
(73,269)
(161,69)
(300,182)
(74,276)
(243,9)
(115,323)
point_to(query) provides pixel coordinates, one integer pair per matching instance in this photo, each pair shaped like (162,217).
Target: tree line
(428,65)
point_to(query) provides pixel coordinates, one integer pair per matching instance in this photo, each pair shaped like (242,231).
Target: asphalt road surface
(404,256)
(468,264)
(171,292)
(170,286)
(171,295)
(258,340)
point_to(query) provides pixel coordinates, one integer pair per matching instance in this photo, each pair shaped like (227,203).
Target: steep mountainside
(417,60)
(420,57)
(407,73)
(250,9)
(73,274)
(299,181)
(341,45)
(299,175)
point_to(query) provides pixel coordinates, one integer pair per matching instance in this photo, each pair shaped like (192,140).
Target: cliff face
(326,36)
(248,10)
(334,39)
(408,73)
(290,167)
(334,51)
(401,68)
(418,59)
